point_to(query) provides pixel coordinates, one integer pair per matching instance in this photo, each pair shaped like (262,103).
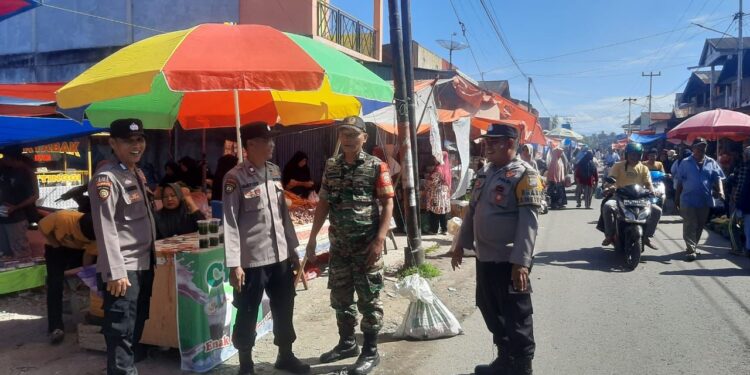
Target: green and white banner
(205,313)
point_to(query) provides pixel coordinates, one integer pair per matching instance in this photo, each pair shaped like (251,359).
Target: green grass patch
(432,249)
(426,270)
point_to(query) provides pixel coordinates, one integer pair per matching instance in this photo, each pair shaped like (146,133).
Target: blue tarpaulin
(33,131)
(640,138)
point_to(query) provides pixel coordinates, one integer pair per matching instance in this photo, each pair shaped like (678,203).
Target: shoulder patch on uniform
(529,191)
(230,184)
(103,187)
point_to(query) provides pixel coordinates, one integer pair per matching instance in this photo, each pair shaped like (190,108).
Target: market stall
(190,304)
(54,145)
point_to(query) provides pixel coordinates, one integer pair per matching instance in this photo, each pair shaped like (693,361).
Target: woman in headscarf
(556,179)
(190,172)
(438,190)
(527,155)
(179,214)
(296,176)
(224,165)
(171,173)
(587,178)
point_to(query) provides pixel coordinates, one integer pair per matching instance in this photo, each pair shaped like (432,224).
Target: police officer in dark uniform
(260,246)
(501,226)
(124,227)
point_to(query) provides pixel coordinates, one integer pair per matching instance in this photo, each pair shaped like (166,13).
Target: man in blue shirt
(741,196)
(698,182)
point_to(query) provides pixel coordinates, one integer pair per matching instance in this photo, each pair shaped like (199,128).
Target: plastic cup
(203,242)
(213,240)
(221,235)
(213,225)
(203,227)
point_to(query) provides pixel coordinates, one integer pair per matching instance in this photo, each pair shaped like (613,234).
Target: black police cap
(501,130)
(126,128)
(255,130)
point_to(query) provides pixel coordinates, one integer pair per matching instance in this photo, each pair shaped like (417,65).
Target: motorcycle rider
(652,163)
(629,172)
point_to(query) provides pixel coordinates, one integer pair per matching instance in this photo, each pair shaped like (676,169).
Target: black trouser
(507,315)
(58,259)
(438,222)
(277,280)
(124,318)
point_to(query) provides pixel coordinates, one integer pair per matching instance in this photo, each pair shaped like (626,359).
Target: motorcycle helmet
(634,147)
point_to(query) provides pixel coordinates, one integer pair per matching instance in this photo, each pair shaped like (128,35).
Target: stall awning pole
(237,124)
(88,152)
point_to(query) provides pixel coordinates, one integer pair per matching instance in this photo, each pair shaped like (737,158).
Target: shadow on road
(719,272)
(589,259)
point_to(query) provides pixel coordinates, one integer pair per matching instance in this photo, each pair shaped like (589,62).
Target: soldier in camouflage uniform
(353,186)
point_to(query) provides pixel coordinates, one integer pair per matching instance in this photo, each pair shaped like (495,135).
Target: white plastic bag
(427,317)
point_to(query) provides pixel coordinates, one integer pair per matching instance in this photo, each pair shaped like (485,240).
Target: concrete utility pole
(413,233)
(650,76)
(739,59)
(413,125)
(528,101)
(630,123)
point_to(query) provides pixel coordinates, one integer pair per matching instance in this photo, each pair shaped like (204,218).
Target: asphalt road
(593,317)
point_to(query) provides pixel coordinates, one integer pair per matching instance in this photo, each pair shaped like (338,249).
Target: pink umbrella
(713,125)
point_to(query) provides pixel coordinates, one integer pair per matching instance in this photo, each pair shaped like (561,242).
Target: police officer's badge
(134,127)
(350,120)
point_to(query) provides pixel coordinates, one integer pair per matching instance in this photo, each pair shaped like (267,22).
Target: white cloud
(610,113)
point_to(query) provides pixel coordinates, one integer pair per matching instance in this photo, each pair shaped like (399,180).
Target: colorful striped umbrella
(222,75)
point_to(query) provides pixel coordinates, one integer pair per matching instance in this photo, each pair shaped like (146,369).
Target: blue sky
(588,87)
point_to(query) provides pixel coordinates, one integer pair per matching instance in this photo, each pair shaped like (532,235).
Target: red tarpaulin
(10,8)
(31,91)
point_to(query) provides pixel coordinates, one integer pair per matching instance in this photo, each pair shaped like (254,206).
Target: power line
(536,93)
(463,31)
(100,17)
(503,42)
(605,46)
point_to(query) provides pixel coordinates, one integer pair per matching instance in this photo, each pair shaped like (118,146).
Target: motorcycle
(660,192)
(633,211)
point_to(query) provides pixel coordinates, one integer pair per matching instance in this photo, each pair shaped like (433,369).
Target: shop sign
(60,178)
(68,148)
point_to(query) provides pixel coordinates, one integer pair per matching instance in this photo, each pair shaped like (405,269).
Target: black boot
(521,365)
(287,361)
(247,367)
(347,348)
(499,366)
(369,359)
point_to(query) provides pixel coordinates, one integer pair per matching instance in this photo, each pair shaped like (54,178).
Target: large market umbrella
(713,125)
(563,133)
(222,75)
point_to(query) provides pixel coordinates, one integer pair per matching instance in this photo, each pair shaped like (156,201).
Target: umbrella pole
(237,124)
(204,170)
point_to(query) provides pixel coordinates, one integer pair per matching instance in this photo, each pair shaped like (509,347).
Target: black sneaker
(691,256)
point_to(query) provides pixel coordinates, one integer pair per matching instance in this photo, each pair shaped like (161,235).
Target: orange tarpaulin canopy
(31,91)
